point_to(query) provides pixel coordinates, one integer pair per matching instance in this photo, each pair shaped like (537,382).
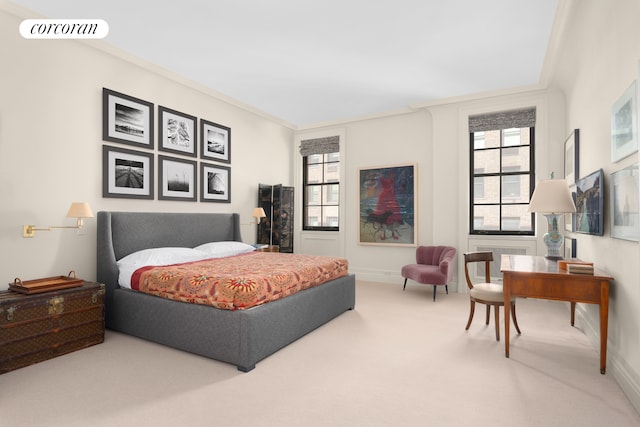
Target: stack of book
(580,268)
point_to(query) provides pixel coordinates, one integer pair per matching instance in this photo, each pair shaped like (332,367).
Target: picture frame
(624,206)
(590,204)
(126,120)
(177,132)
(571,157)
(388,205)
(127,173)
(624,125)
(215,141)
(570,218)
(215,183)
(570,248)
(177,179)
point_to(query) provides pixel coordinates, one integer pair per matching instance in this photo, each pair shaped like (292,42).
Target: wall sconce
(258,213)
(78,210)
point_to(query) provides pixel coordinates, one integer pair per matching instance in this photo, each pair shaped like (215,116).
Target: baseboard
(388,276)
(616,365)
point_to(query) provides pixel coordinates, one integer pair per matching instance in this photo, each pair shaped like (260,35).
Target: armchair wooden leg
(405,284)
(471,311)
(434,292)
(446,288)
(496,309)
(513,316)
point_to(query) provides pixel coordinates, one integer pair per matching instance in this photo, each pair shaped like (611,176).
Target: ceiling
(316,61)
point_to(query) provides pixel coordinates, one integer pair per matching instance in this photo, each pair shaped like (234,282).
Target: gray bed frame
(240,337)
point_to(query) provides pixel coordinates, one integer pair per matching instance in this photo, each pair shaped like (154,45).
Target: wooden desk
(538,277)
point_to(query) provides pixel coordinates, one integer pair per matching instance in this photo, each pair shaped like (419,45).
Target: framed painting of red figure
(387,213)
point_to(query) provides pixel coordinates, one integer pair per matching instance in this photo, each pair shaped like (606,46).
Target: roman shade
(328,144)
(503,120)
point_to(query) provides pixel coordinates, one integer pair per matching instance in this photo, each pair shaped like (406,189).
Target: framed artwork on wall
(388,207)
(590,204)
(624,134)
(570,248)
(177,132)
(126,120)
(624,203)
(571,157)
(127,173)
(177,179)
(215,142)
(215,183)
(570,218)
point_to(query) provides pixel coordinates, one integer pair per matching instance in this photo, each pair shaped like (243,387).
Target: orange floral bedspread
(241,281)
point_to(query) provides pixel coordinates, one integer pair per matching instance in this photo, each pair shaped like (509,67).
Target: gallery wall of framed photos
(187,154)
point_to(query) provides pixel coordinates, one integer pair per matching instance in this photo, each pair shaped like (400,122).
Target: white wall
(51,146)
(597,60)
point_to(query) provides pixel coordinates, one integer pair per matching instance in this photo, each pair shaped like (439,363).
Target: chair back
(473,257)
(432,255)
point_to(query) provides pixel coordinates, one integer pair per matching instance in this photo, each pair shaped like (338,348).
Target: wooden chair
(486,293)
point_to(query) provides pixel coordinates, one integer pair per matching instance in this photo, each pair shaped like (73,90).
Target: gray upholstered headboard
(122,233)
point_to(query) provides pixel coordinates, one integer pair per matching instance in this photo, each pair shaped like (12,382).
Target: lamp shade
(552,196)
(258,213)
(79,210)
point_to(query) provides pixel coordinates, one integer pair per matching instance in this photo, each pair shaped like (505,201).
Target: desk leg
(604,324)
(573,313)
(506,289)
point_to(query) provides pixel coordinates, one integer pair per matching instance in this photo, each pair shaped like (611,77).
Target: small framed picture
(570,248)
(126,120)
(177,132)
(126,173)
(624,203)
(571,157)
(570,218)
(624,140)
(215,184)
(215,142)
(177,179)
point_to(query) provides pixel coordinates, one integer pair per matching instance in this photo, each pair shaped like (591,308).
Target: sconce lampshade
(79,210)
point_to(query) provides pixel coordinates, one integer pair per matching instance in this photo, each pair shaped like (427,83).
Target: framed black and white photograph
(571,156)
(215,183)
(570,248)
(624,203)
(126,173)
(177,132)
(624,140)
(126,120)
(177,179)
(216,142)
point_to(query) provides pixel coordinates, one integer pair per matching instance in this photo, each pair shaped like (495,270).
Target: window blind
(328,144)
(503,120)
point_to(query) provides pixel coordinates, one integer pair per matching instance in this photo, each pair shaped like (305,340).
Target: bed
(239,337)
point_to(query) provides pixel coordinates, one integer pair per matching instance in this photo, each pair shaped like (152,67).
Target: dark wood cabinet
(277,228)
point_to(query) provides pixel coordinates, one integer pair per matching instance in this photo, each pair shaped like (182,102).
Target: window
(502,173)
(321,191)
(321,183)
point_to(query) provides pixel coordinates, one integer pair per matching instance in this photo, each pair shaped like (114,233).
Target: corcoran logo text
(64,29)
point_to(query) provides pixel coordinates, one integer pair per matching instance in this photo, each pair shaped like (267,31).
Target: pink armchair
(434,266)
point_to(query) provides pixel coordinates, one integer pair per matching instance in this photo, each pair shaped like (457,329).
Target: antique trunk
(37,327)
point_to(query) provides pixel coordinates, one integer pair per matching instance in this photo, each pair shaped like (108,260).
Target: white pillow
(155,256)
(224,249)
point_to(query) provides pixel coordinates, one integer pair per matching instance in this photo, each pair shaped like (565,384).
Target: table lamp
(552,198)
